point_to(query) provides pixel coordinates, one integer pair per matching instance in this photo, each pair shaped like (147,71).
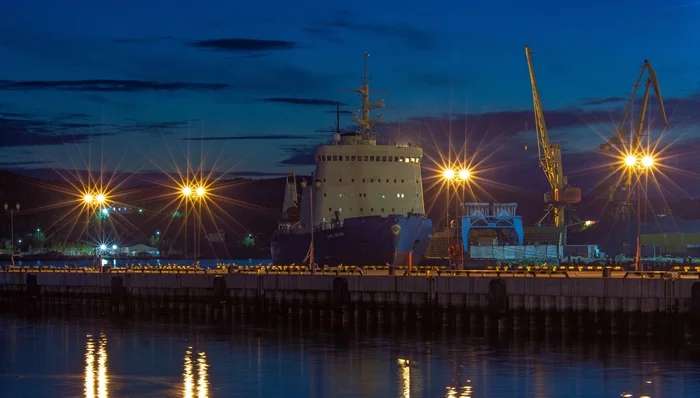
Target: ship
(363,205)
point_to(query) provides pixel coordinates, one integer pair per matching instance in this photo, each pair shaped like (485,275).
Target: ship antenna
(365,121)
(337,117)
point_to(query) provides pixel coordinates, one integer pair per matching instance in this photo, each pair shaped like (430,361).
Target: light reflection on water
(163,360)
(99,357)
(202,369)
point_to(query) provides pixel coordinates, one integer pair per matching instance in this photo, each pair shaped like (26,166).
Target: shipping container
(535,252)
(583,251)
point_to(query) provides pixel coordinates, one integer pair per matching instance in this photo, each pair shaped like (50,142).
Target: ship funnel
(290,194)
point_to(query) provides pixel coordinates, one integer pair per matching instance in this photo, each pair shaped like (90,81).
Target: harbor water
(51,356)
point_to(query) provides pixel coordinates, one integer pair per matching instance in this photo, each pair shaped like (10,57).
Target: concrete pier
(491,292)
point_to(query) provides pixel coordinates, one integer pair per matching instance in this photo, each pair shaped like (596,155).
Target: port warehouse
(486,238)
(675,244)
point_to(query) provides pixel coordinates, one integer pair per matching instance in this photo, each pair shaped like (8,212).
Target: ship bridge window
(340,158)
(361,209)
(335,157)
(396,159)
(383,158)
(371,158)
(382,210)
(352,180)
(371,180)
(387,180)
(340,180)
(394,180)
(353,158)
(402,181)
(399,195)
(347,158)
(365,158)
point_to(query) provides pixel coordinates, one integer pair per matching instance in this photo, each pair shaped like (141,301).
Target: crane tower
(558,201)
(627,140)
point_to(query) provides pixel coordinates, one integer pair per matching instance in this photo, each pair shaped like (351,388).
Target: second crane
(558,200)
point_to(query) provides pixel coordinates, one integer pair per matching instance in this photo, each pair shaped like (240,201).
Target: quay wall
(481,293)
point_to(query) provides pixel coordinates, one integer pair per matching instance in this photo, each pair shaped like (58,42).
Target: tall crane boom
(628,140)
(561,195)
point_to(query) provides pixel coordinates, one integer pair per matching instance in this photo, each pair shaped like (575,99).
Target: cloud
(303,101)
(8,165)
(331,30)
(106,85)
(27,132)
(603,101)
(250,137)
(238,45)
(154,128)
(342,112)
(299,155)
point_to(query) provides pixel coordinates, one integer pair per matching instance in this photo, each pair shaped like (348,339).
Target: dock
(580,290)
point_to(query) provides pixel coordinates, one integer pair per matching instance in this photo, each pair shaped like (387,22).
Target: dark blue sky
(135,79)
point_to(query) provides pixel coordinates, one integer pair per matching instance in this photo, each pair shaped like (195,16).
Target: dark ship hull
(372,240)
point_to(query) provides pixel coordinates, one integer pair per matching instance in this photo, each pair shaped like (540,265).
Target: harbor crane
(558,201)
(628,139)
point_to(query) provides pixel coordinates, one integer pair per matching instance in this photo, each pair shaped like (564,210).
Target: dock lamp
(639,164)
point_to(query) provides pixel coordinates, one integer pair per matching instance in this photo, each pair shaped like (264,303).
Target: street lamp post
(12,212)
(311,254)
(464,176)
(191,195)
(448,175)
(200,192)
(638,165)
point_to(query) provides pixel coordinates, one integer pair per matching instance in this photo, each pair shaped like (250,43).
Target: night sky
(134,84)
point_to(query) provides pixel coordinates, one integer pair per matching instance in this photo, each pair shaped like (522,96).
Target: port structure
(558,201)
(628,138)
(499,217)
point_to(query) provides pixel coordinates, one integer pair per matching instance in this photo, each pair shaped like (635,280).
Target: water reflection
(463,392)
(201,367)
(98,357)
(404,378)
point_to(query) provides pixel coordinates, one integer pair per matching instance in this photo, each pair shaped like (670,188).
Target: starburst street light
(88,198)
(186,191)
(448,174)
(464,174)
(638,165)
(201,191)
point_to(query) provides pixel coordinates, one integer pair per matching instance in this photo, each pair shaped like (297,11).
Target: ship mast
(365,122)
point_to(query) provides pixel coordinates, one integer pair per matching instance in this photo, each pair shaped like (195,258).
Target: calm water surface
(101,358)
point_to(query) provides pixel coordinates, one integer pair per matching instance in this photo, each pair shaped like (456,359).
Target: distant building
(216,237)
(140,250)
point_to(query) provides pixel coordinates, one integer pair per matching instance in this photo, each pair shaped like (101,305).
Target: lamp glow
(448,174)
(186,191)
(647,161)
(630,160)
(103,247)
(200,191)
(464,174)
(88,198)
